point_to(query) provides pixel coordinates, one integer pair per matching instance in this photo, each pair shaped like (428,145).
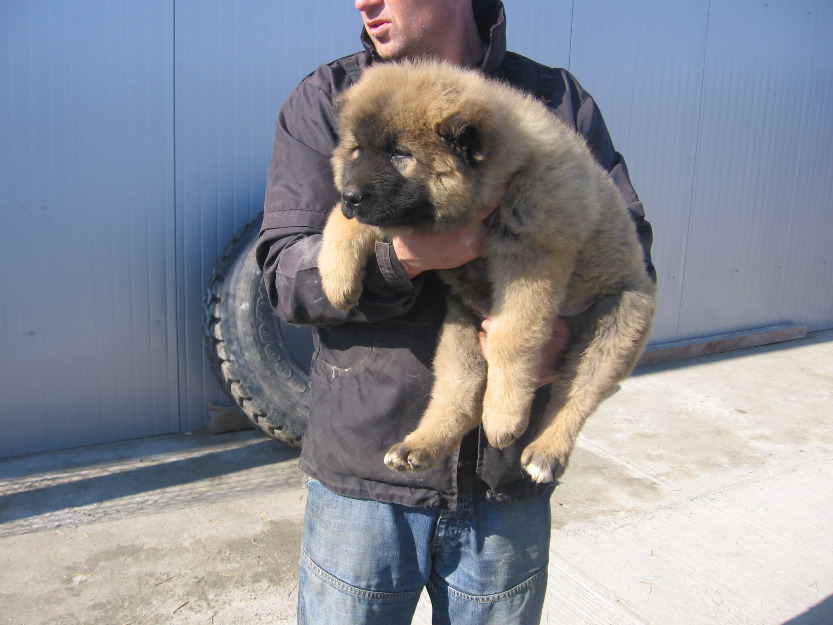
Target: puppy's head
(412,146)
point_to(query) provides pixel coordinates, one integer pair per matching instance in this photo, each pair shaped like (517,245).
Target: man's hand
(550,357)
(418,252)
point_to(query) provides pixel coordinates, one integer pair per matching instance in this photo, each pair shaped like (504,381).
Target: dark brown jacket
(371,371)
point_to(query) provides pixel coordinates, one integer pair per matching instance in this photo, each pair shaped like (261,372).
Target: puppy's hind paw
(502,432)
(407,458)
(543,467)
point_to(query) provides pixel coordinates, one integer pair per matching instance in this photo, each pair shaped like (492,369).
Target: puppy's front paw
(342,291)
(542,464)
(407,457)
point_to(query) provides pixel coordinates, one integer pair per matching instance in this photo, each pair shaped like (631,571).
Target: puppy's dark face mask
(401,164)
(383,183)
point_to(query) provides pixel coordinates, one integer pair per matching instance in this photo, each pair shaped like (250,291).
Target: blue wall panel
(87,291)
(236,63)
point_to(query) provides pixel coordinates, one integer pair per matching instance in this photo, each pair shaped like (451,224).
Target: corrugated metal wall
(134,141)
(88,317)
(723,112)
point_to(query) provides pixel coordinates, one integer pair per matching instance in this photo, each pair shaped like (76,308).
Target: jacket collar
(491,22)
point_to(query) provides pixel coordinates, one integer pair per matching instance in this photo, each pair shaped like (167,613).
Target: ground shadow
(820,614)
(153,481)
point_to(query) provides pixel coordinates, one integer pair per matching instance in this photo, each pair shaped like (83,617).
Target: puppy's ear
(466,134)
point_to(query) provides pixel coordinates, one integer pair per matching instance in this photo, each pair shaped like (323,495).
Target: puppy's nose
(351,200)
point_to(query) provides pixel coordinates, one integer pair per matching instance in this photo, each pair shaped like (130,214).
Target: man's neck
(471,45)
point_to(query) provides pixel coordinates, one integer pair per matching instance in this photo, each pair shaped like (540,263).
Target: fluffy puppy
(422,146)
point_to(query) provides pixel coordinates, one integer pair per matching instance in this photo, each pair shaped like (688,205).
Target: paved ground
(700,493)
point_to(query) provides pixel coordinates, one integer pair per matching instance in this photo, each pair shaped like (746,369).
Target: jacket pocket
(344,350)
(352,356)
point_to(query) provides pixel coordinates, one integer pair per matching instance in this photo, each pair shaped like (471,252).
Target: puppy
(423,145)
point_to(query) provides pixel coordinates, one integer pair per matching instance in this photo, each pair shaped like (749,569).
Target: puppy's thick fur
(423,146)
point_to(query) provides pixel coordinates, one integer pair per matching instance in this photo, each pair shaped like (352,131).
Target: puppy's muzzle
(351,201)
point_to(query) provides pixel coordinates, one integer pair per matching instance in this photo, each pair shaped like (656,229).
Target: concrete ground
(700,493)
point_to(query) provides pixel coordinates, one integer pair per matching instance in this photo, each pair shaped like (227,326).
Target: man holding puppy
(473,531)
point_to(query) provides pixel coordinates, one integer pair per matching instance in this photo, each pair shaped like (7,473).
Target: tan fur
(561,238)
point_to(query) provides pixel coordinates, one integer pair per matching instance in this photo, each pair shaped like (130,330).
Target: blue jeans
(366,563)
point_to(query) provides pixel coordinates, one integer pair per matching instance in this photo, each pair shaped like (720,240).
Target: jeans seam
(506,594)
(371,595)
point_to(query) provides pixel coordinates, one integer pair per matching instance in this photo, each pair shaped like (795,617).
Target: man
(474,530)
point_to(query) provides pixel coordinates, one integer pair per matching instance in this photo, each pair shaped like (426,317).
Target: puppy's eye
(399,155)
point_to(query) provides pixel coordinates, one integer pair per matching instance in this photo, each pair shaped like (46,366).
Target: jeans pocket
(521,605)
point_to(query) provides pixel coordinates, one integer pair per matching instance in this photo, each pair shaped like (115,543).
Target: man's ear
(466,134)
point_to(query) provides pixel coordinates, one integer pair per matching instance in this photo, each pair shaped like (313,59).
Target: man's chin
(388,48)
(389,51)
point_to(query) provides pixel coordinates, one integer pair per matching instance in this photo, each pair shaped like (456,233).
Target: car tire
(261,362)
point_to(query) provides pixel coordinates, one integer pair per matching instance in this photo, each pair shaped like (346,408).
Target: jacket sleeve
(299,195)
(591,124)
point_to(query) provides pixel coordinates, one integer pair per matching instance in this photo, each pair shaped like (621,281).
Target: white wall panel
(722,112)
(643,64)
(754,89)
(86,245)
(808,279)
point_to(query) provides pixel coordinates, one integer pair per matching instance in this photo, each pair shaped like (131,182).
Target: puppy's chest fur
(470,284)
